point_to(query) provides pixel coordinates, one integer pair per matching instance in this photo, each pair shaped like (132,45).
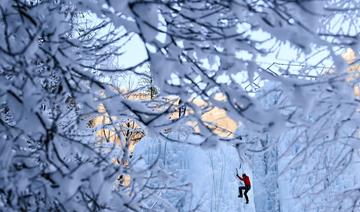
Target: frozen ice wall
(211,174)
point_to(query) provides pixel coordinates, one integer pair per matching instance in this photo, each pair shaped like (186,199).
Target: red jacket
(246,180)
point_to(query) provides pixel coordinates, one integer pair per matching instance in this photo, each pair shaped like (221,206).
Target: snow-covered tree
(54,71)
(310,166)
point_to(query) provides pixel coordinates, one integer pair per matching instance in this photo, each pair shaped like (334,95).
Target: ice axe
(237,172)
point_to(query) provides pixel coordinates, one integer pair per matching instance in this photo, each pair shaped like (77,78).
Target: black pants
(246,188)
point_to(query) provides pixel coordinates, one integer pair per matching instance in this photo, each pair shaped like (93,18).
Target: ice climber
(247,186)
